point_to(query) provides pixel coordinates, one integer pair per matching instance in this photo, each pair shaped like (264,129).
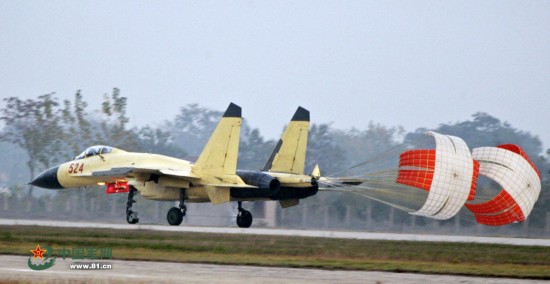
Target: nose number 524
(76,168)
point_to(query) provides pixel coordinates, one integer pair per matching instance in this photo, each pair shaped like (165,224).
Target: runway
(14,268)
(287,232)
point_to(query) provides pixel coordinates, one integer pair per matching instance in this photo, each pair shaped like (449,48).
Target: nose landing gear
(131,216)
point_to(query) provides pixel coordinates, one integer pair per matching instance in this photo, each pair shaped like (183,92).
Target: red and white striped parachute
(446,172)
(450,173)
(510,167)
(446,178)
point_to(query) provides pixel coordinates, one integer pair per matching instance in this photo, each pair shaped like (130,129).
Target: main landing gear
(175,215)
(244,218)
(131,216)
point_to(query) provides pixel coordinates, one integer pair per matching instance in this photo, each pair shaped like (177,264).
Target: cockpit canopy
(94,150)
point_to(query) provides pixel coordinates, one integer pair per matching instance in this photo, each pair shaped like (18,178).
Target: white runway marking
(287,232)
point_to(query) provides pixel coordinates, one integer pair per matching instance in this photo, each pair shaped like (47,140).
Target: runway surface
(15,268)
(287,232)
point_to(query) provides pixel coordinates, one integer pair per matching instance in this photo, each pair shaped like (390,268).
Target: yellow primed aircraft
(213,178)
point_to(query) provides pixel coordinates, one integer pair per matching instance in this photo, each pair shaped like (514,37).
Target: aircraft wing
(184,175)
(127,171)
(230,185)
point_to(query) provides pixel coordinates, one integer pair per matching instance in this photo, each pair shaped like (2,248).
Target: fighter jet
(212,178)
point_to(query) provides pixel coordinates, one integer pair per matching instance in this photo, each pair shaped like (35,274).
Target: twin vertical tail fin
(289,156)
(219,156)
(217,164)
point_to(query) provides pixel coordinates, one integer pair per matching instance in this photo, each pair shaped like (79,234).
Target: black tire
(244,219)
(132,217)
(174,216)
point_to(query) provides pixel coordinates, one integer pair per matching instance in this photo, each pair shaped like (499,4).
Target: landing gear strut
(175,214)
(244,218)
(131,216)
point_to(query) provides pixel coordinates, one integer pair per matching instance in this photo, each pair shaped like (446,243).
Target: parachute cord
(354,190)
(370,161)
(391,151)
(402,208)
(400,191)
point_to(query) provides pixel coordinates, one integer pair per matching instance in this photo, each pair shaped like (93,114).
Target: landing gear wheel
(244,219)
(175,216)
(132,217)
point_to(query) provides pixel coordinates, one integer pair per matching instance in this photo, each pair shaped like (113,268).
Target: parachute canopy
(446,172)
(438,176)
(511,168)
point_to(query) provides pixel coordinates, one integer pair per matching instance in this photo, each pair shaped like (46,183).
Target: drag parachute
(446,172)
(511,168)
(437,177)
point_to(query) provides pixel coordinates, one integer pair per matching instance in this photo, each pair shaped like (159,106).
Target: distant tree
(375,146)
(486,130)
(323,150)
(254,150)
(364,145)
(158,141)
(34,125)
(13,166)
(78,124)
(51,132)
(112,123)
(192,127)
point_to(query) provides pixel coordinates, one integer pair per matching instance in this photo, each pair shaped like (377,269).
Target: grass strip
(303,252)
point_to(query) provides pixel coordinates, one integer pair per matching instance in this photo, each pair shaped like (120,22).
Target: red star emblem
(38,252)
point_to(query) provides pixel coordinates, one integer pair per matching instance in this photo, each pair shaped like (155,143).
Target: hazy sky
(409,63)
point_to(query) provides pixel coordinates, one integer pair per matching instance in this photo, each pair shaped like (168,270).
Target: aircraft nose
(47,179)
